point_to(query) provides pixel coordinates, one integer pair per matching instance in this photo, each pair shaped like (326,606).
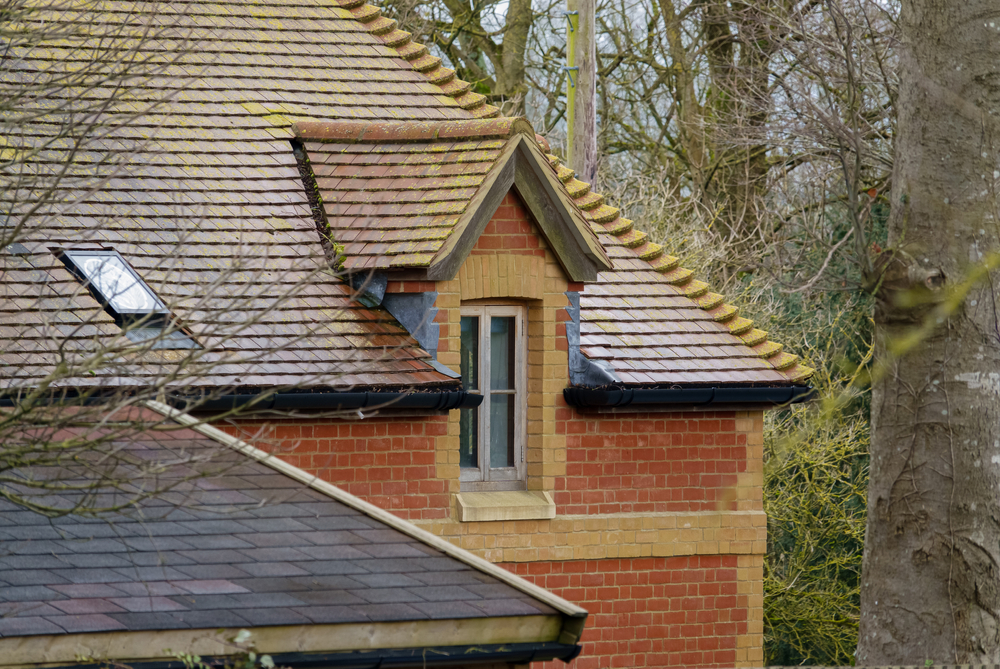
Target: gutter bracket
(583,371)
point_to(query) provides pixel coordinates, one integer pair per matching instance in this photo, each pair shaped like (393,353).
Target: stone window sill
(505,505)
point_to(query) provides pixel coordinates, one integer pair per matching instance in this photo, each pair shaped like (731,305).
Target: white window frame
(485,478)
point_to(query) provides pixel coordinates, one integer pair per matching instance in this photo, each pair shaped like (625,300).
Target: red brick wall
(650,612)
(511,231)
(389,462)
(643,463)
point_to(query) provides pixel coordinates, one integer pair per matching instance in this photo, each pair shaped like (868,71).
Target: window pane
(468,425)
(468,429)
(501,430)
(502,353)
(470,352)
(116,284)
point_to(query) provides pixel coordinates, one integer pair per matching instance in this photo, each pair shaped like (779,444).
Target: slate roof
(243,547)
(200,191)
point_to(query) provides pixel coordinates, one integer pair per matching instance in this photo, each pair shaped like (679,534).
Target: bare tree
(486,41)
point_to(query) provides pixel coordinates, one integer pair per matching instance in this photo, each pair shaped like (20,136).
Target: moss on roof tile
(787,365)
(418,57)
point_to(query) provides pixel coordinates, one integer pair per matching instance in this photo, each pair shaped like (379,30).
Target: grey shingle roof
(243,547)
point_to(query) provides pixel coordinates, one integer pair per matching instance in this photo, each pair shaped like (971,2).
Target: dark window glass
(502,353)
(502,375)
(469,418)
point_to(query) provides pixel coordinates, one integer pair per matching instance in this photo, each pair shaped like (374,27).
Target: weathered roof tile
(212,171)
(743,359)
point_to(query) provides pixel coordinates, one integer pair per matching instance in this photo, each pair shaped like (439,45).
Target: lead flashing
(583,371)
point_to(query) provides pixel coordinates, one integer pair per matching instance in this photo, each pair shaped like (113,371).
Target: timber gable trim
(522,166)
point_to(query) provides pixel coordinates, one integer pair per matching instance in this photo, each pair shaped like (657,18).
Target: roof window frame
(74,259)
(153,328)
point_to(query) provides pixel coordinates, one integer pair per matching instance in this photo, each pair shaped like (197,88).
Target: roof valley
(605,219)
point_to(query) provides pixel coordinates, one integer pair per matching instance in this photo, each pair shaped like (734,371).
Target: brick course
(510,231)
(390,462)
(655,612)
(641,463)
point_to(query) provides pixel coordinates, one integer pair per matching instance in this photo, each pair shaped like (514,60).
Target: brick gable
(511,231)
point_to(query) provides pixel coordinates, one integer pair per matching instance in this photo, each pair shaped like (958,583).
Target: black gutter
(332,401)
(593,398)
(399,658)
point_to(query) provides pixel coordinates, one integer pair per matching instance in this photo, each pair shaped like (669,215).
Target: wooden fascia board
(522,164)
(579,251)
(477,216)
(148,645)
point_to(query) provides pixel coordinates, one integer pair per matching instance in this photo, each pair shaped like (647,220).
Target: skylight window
(133,304)
(116,284)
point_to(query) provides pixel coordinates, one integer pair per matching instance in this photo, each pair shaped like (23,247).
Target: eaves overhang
(332,401)
(645,399)
(398,658)
(290,401)
(513,639)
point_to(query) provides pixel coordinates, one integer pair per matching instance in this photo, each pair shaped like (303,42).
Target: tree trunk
(931,579)
(511,85)
(739,101)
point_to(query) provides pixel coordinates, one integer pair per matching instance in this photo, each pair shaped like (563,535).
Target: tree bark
(931,583)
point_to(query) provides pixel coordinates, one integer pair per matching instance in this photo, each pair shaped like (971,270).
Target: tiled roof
(393,201)
(403,194)
(313,335)
(419,58)
(242,547)
(650,319)
(202,195)
(653,323)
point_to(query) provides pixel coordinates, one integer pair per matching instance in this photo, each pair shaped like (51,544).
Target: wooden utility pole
(581,92)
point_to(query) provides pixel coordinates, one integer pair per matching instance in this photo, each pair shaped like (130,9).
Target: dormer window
(134,306)
(494,362)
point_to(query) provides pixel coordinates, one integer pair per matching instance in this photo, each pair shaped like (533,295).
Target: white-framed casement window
(494,363)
